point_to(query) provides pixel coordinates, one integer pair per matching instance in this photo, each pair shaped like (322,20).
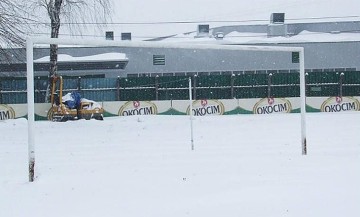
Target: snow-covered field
(242,165)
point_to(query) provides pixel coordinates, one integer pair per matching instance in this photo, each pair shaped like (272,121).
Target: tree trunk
(54,14)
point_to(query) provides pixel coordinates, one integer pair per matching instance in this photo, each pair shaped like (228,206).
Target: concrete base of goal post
(31,110)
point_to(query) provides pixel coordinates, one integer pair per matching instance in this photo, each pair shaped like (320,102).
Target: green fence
(13,90)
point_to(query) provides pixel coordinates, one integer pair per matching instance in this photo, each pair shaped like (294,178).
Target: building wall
(318,56)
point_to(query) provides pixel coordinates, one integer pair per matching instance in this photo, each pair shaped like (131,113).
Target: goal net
(31,42)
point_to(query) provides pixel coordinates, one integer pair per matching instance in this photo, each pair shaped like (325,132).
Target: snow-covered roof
(262,38)
(92,58)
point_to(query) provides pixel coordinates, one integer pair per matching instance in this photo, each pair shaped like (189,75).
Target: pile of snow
(261,38)
(242,165)
(91,104)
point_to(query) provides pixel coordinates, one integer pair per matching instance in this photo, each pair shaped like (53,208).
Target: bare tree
(13,26)
(75,14)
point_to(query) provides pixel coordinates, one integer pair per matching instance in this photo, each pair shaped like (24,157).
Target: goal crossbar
(31,41)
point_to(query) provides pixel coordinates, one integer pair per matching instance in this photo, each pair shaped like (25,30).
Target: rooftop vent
(109,35)
(126,36)
(277,26)
(277,18)
(203,30)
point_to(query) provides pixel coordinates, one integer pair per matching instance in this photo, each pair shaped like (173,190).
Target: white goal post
(30,42)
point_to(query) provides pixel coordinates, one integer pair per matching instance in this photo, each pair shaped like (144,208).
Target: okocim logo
(138,108)
(206,107)
(272,105)
(6,112)
(340,104)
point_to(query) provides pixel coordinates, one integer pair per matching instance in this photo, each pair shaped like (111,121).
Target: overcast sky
(175,10)
(208,11)
(223,10)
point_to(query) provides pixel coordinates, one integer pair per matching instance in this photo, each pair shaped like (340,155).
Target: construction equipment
(71,106)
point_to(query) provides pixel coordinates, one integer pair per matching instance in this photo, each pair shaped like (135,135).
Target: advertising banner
(136,108)
(7,112)
(333,104)
(269,105)
(12,111)
(201,107)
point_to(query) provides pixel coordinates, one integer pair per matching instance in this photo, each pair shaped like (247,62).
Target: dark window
(227,73)
(272,71)
(180,73)
(238,72)
(132,75)
(283,71)
(126,36)
(191,73)
(260,71)
(155,74)
(203,29)
(109,35)
(277,18)
(339,69)
(203,73)
(317,70)
(158,60)
(215,73)
(295,57)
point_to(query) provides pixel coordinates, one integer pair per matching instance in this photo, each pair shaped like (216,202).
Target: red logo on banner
(136,104)
(339,99)
(271,100)
(204,102)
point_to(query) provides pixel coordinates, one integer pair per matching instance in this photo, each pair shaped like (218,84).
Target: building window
(158,60)
(295,57)
(203,29)
(126,36)
(109,35)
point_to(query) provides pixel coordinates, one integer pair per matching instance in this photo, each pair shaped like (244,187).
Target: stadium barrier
(202,107)
(238,86)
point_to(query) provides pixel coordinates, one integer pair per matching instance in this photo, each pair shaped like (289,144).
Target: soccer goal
(30,42)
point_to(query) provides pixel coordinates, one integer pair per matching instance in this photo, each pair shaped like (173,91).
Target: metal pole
(79,84)
(191,115)
(118,88)
(269,85)
(0,93)
(232,80)
(194,94)
(157,88)
(30,103)
(303,101)
(341,81)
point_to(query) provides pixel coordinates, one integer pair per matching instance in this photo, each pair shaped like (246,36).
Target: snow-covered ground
(242,165)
